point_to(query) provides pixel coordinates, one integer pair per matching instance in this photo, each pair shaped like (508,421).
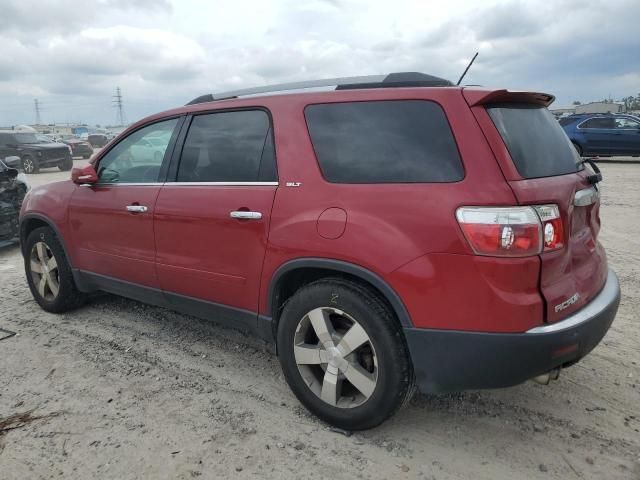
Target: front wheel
(48,272)
(343,354)
(29,165)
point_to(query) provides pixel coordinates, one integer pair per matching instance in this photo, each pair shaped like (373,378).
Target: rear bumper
(449,361)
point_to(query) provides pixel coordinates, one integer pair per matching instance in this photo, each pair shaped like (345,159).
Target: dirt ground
(129,391)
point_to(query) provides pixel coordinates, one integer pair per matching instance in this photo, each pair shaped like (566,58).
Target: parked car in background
(391,231)
(33,153)
(603,134)
(12,162)
(13,188)
(97,140)
(79,148)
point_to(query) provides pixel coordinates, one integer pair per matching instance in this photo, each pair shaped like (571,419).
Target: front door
(112,221)
(212,221)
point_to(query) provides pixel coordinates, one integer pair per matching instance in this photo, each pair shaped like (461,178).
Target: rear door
(212,218)
(542,167)
(628,131)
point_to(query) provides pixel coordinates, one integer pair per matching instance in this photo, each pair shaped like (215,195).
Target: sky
(71,55)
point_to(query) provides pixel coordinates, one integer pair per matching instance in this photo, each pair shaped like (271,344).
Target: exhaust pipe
(545,378)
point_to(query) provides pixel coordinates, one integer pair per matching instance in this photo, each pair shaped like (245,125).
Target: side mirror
(84,175)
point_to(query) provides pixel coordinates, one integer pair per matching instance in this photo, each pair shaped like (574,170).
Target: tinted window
(567,121)
(536,142)
(228,147)
(136,159)
(406,141)
(599,122)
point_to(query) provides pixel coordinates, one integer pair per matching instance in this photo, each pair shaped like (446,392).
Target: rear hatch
(542,168)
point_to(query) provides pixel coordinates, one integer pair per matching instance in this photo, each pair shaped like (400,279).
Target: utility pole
(117,101)
(36,103)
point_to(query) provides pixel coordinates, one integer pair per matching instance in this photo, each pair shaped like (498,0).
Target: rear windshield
(536,142)
(399,141)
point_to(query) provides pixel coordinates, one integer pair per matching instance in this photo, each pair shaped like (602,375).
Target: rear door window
(399,141)
(536,142)
(229,147)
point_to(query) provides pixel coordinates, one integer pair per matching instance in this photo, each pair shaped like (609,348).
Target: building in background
(601,107)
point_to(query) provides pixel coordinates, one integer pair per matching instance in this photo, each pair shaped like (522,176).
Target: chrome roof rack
(401,79)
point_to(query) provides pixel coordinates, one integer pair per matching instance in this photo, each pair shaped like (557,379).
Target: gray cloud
(163,55)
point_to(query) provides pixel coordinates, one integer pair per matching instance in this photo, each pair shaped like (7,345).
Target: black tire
(394,383)
(68,297)
(66,165)
(30,165)
(578,148)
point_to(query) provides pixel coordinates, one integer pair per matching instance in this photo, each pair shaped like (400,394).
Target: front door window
(137,158)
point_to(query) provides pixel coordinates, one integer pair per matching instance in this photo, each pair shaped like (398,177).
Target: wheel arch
(306,270)
(30,222)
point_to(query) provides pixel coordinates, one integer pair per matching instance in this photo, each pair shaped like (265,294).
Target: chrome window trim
(189,184)
(224,184)
(606,297)
(579,127)
(125,184)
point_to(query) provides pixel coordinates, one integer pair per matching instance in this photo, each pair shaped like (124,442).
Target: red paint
(331,223)
(406,233)
(204,253)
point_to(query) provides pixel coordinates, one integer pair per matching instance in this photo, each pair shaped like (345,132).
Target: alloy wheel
(44,271)
(27,165)
(335,357)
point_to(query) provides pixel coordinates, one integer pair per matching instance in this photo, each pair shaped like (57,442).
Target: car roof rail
(392,80)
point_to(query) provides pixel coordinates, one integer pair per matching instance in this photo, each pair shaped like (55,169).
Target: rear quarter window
(536,142)
(399,141)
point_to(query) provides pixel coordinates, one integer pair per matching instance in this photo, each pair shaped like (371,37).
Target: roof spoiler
(476,97)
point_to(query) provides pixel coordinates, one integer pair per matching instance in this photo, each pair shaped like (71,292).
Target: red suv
(381,231)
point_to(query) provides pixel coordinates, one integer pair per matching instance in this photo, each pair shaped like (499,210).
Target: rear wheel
(30,165)
(49,274)
(343,354)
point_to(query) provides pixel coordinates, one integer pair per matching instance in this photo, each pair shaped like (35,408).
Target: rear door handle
(136,208)
(244,215)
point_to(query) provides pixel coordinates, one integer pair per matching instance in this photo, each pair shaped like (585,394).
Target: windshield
(536,142)
(25,138)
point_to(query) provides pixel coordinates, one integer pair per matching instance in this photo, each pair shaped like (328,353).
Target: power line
(118,104)
(36,103)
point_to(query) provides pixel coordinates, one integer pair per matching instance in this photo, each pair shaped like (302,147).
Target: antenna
(118,104)
(467,69)
(36,104)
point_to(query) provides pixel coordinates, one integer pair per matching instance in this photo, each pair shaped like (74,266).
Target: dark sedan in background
(603,134)
(79,148)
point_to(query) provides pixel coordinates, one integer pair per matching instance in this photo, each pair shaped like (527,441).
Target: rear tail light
(511,231)
(552,233)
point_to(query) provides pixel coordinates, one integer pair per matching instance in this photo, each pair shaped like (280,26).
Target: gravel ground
(121,390)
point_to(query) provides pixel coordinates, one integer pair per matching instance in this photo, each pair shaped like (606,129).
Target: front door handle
(245,215)
(136,208)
